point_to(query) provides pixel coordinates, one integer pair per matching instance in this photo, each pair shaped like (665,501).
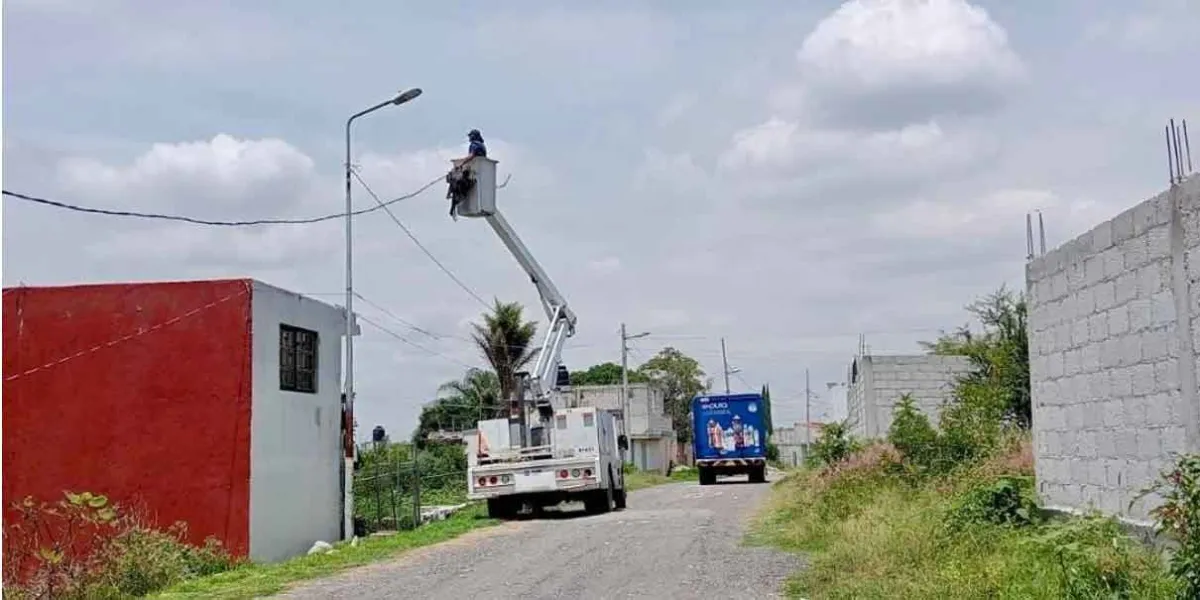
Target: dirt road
(674,541)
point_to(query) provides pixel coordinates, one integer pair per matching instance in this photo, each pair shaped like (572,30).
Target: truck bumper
(543,481)
(731,466)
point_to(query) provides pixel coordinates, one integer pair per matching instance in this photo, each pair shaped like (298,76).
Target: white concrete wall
(295,439)
(1113,333)
(651,454)
(882,380)
(646,409)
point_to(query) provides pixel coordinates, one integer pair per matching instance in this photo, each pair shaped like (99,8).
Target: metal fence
(392,491)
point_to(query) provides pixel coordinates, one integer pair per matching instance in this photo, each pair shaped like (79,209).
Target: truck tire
(599,502)
(619,498)
(758,475)
(501,508)
(707,477)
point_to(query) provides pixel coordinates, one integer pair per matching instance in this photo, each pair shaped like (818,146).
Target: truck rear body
(729,436)
(580,459)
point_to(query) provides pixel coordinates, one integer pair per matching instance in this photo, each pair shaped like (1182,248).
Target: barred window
(297,359)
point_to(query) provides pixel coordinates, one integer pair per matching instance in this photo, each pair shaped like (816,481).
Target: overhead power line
(414,239)
(210,222)
(405,340)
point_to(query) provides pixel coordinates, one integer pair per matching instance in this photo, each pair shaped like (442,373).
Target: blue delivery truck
(729,436)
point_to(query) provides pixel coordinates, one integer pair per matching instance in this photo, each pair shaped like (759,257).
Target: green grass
(868,534)
(254,580)
(637,480)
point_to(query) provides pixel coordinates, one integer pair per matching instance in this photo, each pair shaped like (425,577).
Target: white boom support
(562,318)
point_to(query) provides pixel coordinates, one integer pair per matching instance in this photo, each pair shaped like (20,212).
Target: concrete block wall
(1113,331)
(882,380)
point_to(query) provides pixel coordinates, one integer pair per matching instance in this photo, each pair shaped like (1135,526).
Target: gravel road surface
(674,541)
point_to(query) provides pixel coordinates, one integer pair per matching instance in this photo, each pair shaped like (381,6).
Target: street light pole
(348,378)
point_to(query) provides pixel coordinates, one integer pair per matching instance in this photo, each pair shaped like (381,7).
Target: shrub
(1094,559)
(1006,502)
(833,446)
(772,452)
(1178,518)
(913,436)
(83,546)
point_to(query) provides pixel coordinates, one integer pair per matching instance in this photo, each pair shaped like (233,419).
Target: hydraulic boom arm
(562,318)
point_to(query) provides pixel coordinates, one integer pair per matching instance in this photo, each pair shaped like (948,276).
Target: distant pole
(807,418)
(416,471)
(625,337)
(725,364)
(624,388)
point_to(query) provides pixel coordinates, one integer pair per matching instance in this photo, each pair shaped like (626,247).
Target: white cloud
(783,160)
(221,176)
(899,61)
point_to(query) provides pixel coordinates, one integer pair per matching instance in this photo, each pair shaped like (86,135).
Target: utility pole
(725,365)
(625,337)
(807,417)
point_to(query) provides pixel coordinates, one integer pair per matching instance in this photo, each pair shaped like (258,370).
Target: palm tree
(460,404)
(477,389)
(504,339)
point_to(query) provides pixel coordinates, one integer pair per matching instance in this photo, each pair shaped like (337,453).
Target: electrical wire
(214,223)
(412,343)
(389,313)
(414,239)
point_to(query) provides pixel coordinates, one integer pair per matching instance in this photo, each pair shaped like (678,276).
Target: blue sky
(787,175)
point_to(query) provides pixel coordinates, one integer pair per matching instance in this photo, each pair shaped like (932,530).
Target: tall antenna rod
(1042,232)
(1029,236)
(1187,146)
(1170,163)
(1178,152)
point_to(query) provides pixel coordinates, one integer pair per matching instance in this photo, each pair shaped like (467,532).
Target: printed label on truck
(729,426)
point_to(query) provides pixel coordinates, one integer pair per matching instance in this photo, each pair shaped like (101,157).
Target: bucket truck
(538,456)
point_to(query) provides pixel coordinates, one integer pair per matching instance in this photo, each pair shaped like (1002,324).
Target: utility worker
(459,181)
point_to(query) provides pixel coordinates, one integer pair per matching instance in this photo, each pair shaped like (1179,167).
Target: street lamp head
(405,96)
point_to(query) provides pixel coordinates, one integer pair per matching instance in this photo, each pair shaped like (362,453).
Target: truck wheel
(619,498)
(758,475)
(599,501)
(707,477)
(500,508)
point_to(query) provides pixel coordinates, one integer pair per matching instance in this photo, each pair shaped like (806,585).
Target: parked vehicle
(581,462)
(729,436)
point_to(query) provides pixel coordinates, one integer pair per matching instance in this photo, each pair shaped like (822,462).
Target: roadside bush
(912,435)
(772,452)
(1006,502)
(833,446)
(1178,517)
(83,546)
(1092,557)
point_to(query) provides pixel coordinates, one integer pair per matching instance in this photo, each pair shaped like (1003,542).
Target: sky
(786,175)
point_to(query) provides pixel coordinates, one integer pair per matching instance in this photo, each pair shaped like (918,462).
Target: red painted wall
(137,391)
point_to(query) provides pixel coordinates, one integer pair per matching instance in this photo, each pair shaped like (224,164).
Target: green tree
(913,435)
(999,354)
(681,379)
(608,373)
(504,340)
(461,403)
(767,420)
